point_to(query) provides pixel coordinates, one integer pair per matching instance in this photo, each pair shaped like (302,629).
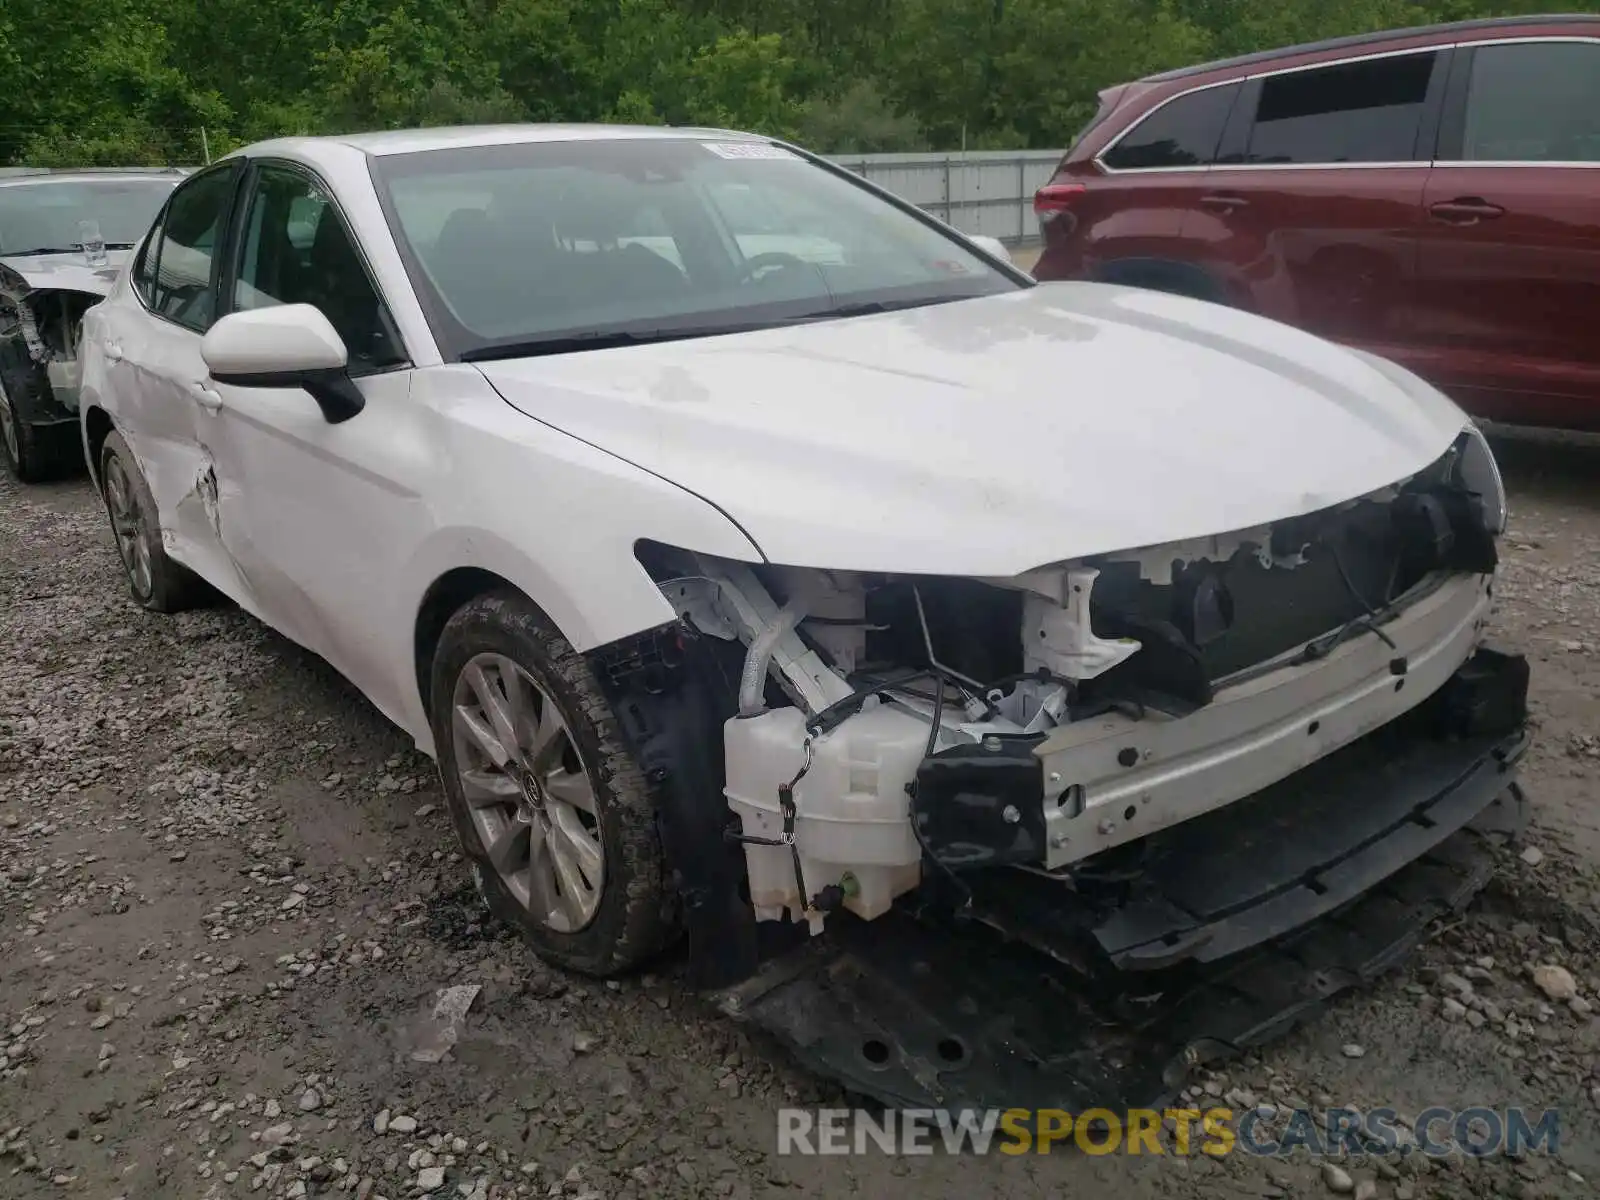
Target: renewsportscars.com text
(1436,1132)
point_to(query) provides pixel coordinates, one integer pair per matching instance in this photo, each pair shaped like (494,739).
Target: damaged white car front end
(1217,780)
(1197,699)
(59,256)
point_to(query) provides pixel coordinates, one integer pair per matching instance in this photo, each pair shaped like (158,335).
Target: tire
(32,453)
(162,585)
(634,909)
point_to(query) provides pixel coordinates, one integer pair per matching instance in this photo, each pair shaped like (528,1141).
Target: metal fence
(982,191)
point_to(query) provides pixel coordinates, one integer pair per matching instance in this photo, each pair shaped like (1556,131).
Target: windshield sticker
(749,150)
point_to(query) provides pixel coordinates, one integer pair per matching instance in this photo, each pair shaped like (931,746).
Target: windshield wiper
(611,339)
(72,248)
(598,340)
(867,308)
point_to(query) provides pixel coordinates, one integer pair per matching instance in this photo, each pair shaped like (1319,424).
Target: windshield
(551,246)
(44,214)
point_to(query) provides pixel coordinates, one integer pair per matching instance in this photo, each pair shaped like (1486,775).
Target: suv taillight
(1054,198)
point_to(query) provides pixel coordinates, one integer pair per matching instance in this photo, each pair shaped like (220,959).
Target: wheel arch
(458,566)
(444,597)
(97,427)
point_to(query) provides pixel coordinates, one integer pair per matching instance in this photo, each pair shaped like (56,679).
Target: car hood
(996,435)
(67,272)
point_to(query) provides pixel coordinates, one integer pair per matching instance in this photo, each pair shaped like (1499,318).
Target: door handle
(1466,210)
(1224,202)
(113,349)
(206,397)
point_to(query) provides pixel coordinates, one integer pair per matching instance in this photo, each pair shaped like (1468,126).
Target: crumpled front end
(40,326)
(1138,773)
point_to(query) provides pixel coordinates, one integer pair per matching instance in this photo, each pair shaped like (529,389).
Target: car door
(150,342)
(318,516)
(1509,271)
(1310,215)
(1121,218)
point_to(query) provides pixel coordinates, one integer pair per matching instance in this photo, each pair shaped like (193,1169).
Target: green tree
(859,120)
(128,81)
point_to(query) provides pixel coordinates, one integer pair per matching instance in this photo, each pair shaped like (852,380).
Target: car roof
(12,176)
(1355,41)
(448,137)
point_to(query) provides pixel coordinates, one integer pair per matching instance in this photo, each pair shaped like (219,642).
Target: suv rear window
(1367,111)
(1181,133)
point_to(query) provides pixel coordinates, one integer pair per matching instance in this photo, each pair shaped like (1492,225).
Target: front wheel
(547,801)
(33,453)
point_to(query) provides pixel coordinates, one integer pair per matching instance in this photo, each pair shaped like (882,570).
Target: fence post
(1022,194)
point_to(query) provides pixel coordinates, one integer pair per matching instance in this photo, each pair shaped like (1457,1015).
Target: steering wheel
(769,260)
(191,301)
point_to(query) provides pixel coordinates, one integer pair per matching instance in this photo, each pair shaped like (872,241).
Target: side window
(1533,102)
(183,289)
(144,271)
(1181,133)
(295,249)
(1360,112)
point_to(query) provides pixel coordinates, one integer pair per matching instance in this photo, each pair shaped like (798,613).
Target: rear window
(1367,111)
(1181,133)
(1108,105)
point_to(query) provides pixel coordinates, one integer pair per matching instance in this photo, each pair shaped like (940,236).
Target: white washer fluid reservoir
(852,811)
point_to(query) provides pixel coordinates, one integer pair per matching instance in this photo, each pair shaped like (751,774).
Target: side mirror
(286,346)
(990,245)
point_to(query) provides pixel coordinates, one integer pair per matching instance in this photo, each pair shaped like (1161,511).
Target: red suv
(1432,195)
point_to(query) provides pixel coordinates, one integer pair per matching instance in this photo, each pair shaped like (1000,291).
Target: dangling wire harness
(786,806)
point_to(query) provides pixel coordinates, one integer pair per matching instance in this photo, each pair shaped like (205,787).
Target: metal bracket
(698,600)
(1061,637)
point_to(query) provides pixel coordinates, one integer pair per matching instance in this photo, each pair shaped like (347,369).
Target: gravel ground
(228,897)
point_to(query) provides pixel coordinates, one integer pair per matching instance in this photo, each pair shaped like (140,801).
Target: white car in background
(64,234)
(818,582)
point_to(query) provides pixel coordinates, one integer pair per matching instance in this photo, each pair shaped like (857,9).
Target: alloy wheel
(129,525)
(528,792)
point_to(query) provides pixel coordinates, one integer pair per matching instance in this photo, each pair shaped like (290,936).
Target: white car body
(996,438)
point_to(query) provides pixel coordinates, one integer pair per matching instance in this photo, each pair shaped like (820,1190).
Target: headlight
(1481,474)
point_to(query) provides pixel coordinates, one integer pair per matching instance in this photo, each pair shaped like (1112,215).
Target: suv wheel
(549,805)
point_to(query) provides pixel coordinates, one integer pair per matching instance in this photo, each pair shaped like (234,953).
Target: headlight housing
(1481,474)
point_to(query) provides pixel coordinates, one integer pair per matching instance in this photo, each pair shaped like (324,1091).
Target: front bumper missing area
(1234,928)
(1134,778)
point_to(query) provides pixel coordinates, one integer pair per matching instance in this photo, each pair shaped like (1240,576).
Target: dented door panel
(315,517)
(153,372)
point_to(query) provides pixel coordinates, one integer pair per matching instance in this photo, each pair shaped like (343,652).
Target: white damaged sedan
(760,558)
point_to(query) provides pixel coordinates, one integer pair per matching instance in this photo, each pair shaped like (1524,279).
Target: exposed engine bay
(886,725)
(1189,791)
